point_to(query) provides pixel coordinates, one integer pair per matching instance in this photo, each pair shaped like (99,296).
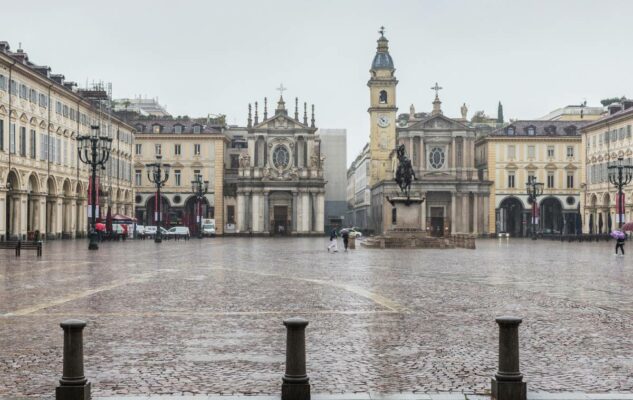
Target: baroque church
(442,152)
(280,184)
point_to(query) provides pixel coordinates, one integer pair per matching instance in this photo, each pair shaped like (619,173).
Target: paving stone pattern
(204,317)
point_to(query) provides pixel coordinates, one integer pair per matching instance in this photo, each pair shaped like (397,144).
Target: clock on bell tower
(382,112)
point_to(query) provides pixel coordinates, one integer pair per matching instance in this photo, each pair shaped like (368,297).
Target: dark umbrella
(600,223)
(609,224)
(591,224)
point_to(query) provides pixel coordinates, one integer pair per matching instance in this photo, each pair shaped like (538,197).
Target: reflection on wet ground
(205,316)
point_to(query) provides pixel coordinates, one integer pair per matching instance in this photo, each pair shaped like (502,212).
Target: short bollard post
(295,384)
(73,385)
(508,381)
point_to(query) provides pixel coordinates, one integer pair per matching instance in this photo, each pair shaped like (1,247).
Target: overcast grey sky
(202,57)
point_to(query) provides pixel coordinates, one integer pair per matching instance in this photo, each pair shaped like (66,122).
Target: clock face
(281,157)
(383,121)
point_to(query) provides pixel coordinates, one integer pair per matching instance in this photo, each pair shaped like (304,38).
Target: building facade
(334,149)
(43,184)
(548,151)
(281,185)
(192,147)
(442,153)
(359,192)
(603,142)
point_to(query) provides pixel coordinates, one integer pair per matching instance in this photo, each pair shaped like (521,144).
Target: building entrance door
(437,221)
(280,220)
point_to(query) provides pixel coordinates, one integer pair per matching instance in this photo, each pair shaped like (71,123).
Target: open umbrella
(591,224)
(618,234)
(628,226)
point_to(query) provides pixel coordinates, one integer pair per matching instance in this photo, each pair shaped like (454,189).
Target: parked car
(178,232)
(355,233)
(140,231)
(208,227)
(149,230)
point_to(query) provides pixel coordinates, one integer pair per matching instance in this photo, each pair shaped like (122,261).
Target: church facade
(280,183)
(442,152)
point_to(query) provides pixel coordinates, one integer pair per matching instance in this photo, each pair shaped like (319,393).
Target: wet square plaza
(205,316)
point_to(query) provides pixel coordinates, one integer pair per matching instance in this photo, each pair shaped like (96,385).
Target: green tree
(500,113)
(611,100)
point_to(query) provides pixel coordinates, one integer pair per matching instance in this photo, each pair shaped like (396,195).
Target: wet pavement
(204,317)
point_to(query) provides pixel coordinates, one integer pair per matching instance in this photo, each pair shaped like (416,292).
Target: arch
(594,201)
(13,180)
(382,97)
(51,186)
(80,190)
(67,188)
(606,200)
(511,217)
(551,214)
(190,214)
(150,207)
(12,214)
(33,183)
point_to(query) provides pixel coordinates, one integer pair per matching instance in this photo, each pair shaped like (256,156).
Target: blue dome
(382,61)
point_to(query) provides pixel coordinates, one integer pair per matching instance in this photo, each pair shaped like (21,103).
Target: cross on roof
(437,88)
(382,31)
(281,89)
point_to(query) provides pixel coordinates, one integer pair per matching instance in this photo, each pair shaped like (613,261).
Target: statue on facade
(245,160)
(404,172)
(464,111)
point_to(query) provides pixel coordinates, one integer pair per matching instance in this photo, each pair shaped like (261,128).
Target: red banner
(619,207)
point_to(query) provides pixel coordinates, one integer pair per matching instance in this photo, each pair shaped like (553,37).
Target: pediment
(511,165)
(280,121)
(24,118)
(438,122)
(33,121)
(550,166)
(3,110)
(571,167)
(43,124)
(531,167)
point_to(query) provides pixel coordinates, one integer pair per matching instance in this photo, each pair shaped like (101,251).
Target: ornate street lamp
(94,150)
(534,189)
(158,173)
(620,176)
(199,188)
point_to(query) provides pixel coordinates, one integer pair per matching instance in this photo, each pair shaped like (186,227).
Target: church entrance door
(437,221)
(280,220)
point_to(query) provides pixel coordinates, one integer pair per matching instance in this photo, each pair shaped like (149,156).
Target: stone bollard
(73,385)
(508,381)
(295,384)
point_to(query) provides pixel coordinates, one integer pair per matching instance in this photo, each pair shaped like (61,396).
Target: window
(138,148)
(628,131)
(24,91)
(13,87)
(197,175)
(197,129)
(531,151)
(58,107)
(550,180)
(614,135)
(511,151)
(178,129)
(531,177)
(621,134)
(43,100)
(177,177)
(12,139)
(570,181)
(33,143)
(156,128)
(65,112)
(230,214)
(235,161)
(177,149)
(138,177)
(531,131)
(196,149)
(73,114)
(3,83)
(510,179)
(510,130)
(58,151)
(157,149)
(570,151)
(33,96)
(550,151)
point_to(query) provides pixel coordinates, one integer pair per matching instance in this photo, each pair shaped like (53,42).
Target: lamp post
(620,176)
(199,188)
(158,173)
(534,189)
(94,150)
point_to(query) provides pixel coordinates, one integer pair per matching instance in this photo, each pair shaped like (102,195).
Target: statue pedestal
(406,212)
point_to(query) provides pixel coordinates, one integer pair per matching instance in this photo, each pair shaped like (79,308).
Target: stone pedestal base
(81,392)
(508,390)
(295,391)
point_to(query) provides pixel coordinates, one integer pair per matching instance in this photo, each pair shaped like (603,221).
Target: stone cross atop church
(437,104)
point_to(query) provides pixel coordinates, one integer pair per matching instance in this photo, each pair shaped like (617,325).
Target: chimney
(627,104)
(70,85)
(59,78)
(21,56)
(4,46)
(614,108)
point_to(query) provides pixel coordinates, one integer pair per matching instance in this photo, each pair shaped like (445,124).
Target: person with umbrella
(333,242)
(345,235)
(619,237)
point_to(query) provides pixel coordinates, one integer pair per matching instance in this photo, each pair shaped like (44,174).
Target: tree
(611,100)
(500,113)
(480,116)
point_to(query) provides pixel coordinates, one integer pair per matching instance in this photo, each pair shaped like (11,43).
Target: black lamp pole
(158,173)
(94,150)
(620,179)
(534,189)
(199,188)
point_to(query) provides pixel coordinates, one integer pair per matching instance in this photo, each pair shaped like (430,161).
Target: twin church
(442,152)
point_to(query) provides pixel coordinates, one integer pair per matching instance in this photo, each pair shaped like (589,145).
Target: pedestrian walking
(619,244)
(333,242)
(345,235)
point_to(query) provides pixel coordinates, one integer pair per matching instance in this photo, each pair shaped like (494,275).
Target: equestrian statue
(404,173)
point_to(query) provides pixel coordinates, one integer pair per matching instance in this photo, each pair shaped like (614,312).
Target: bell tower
(382,112)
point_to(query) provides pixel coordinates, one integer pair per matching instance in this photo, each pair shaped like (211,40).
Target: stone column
(23,199)
(59,216)
(255,213)
(486,213)
(266,213)
(452,167)
(465,213)
(423,212)
(3,212)
(320,223)
(508,381)
(305,208)
(475,215)
(312,211)
(73,217)
(241,213)
(295,204)
(295,384)
(41,214)
(453,212)
(73,385)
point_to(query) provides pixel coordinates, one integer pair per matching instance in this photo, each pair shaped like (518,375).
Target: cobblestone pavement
(205,316)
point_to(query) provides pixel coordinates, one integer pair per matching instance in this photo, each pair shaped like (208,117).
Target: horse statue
(404,173)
